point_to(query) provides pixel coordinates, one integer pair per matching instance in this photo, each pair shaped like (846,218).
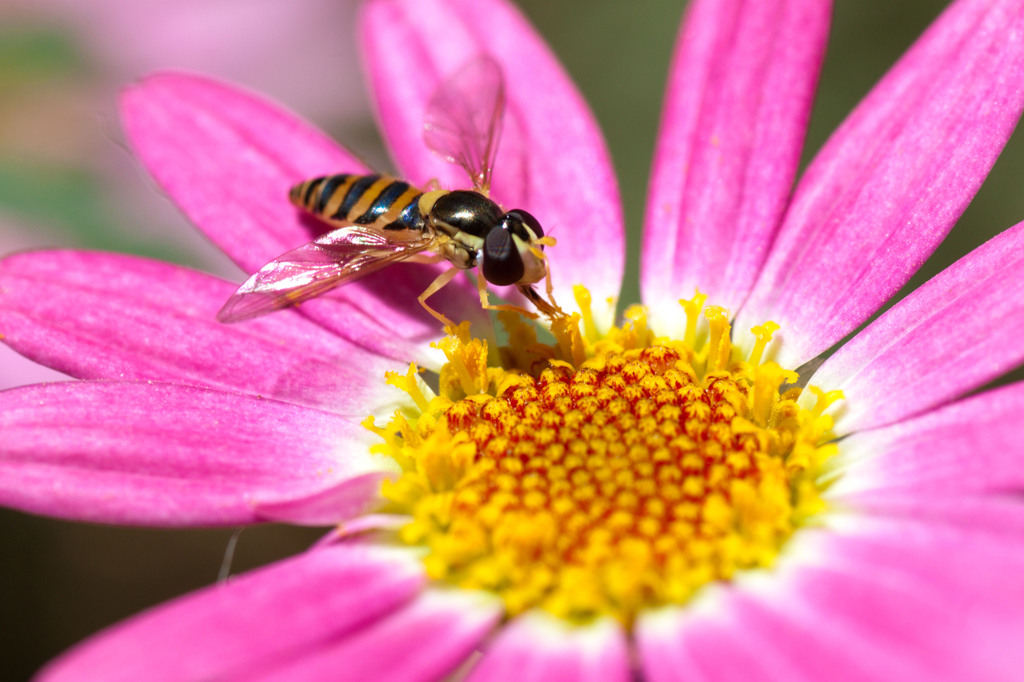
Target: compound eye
(518,218)
(502,263)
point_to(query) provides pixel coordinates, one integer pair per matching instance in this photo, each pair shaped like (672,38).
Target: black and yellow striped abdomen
(378,201)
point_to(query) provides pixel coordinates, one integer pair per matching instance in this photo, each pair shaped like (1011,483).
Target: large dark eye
(502,263)
(514,220)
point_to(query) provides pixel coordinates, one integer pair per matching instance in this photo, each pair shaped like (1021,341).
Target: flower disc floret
(602,475)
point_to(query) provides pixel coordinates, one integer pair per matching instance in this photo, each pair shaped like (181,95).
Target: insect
(381,220)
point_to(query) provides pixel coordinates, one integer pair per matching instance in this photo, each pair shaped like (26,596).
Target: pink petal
(109,316)
(228,158)
(552,160)
(958,331)
(945,596)
(324,507)
(739,96)
(167,455)
(699,643)
(20,371)
(749,639)
(367,523)
(426,640)
(998,516)
(894,178)
(231,630)
(971,446)
(537,647)
(872,601)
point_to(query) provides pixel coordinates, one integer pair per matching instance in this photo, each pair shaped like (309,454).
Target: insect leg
(550,309)
(425,259)
(435,286)
(481,286)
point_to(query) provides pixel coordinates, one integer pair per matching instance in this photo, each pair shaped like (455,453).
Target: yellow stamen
(824,400)
(583,300)
(468,367)
(763,335)
(692,307)
(719,347)
(570,341)
(410,385)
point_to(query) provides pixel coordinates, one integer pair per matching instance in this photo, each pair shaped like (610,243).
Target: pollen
(604,474)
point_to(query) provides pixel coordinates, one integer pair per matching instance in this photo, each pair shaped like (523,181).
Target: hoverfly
(381,220)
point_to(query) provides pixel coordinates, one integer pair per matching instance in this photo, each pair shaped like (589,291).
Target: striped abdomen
(379,201)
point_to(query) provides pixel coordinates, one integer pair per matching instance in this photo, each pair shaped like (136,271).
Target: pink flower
(912,571)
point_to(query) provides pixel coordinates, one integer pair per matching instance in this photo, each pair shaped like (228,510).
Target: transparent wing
(338,257)
(464,118)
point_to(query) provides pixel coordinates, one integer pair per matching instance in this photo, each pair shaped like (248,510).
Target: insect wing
(464,118)
(337,258)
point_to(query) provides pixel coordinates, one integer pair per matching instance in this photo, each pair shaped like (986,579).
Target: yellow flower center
(604,474)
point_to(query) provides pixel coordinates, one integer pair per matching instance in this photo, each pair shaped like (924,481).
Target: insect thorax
(466,212)
(464,217)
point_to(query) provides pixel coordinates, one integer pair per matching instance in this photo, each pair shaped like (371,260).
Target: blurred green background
(65,180)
